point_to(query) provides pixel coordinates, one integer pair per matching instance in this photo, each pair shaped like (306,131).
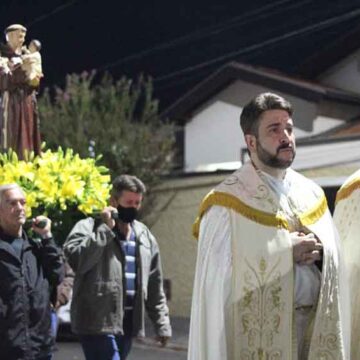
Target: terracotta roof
(349,129)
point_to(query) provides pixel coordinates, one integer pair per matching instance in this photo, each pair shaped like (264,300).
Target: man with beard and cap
(269,281)
(117,276)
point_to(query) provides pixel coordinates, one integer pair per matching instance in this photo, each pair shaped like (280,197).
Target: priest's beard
(274,161)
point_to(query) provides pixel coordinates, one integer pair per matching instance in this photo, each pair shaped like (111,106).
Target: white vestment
(246,291)
(347,221)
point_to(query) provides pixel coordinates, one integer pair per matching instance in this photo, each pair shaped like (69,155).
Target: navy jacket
(25,329)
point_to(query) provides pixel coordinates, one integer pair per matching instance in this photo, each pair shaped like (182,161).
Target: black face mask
(127,214)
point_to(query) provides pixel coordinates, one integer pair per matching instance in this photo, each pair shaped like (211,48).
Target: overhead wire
(183,80)
(51,13)
(256,14)
(311,28)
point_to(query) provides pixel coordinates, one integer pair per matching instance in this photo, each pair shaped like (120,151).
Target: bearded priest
(269,281)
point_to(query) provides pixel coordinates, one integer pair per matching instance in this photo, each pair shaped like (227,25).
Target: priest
(347,220)
(269,281)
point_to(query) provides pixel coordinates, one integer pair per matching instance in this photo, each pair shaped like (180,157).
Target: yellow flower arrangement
(58,184)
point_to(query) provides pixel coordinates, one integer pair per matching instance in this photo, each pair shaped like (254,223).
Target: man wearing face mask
(117,276)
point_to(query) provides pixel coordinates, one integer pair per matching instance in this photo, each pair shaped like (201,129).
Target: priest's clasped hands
(306,248)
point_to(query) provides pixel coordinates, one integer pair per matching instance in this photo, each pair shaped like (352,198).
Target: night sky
(177,43)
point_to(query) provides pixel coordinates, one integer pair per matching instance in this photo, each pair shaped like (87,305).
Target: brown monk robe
(19,124)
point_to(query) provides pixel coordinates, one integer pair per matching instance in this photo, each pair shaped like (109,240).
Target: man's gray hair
(129,183)
(6,187)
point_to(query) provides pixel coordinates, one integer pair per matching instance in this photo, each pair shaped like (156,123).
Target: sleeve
(64,290)
(51,262)
(13,80)
(156,305)
(212,288)
(85,243)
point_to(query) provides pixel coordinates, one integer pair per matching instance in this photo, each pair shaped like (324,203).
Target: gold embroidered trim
(311,216)
(261,217)
(232,202)
(347,190)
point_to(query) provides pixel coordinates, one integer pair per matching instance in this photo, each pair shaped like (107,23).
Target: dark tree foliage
(116,119)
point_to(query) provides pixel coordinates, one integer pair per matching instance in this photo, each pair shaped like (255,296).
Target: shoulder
(86,224)
(234,189)
(307,184)
(245,172)
(308,198)
(141,230)
(89,221)
(354,178)
(216,215)
(348,189)
(140,227)
(144,235)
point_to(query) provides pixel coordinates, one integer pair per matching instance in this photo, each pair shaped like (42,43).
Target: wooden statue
(20,74)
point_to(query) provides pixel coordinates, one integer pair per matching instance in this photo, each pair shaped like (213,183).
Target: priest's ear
(250,142)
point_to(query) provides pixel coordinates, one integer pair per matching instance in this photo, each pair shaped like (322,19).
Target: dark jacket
(25,329)
(98,299)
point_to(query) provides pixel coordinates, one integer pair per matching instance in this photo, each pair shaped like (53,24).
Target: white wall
(344,75)
(213,135)
(320,124)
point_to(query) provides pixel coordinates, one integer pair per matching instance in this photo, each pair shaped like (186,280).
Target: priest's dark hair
(251,113)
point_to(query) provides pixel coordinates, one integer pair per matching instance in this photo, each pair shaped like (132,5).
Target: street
(73,351)
(67,348)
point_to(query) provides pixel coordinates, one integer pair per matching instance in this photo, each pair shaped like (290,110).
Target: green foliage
(118,119)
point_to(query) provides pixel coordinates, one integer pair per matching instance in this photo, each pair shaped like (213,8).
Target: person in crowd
(29,268)
(118,275)
(347,221)
(60,297)
(269,282)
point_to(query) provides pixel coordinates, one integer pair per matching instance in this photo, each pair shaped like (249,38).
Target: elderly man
(19,123)
(117,276)
(29,268)
(347,220)
(269,283)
